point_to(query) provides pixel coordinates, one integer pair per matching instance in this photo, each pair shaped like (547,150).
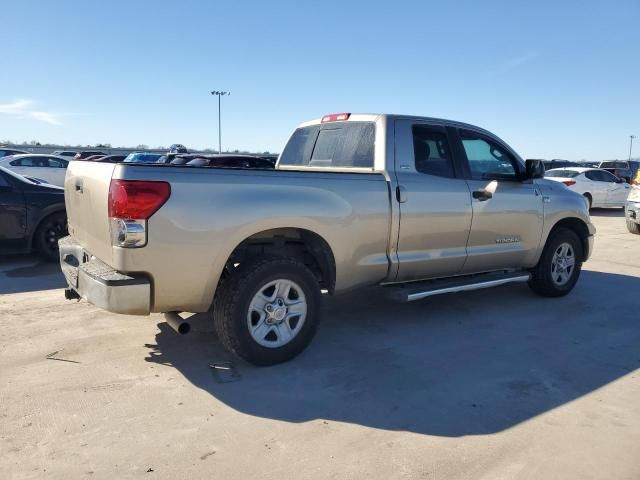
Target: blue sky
(555,79)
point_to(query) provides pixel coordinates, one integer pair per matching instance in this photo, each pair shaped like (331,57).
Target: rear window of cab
(331,145)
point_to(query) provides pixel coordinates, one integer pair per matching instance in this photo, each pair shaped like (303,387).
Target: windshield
(562,173)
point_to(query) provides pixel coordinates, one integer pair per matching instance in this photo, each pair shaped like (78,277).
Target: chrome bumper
(632,211)
(101,285)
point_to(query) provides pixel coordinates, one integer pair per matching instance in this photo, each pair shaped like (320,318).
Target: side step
(409,292)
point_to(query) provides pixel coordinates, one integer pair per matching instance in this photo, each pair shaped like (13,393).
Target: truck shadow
(450,366)
(29,273)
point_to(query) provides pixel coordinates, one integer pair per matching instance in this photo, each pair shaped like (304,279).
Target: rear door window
(431,152)
(30,162)
(341,145)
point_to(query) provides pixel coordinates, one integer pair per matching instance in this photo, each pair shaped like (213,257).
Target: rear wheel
(559,266)
(633,227)
(50,230)
(267,311)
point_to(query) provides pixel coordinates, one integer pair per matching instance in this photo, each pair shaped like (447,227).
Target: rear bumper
(101,285)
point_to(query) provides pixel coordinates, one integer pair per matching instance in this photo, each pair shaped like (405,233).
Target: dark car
(221,161)
(619,168)
(551,164)
(142,157)
(32,215)
(65,153)
(5,152)
(87,153)
(94,158)
(178,148)
(111,159)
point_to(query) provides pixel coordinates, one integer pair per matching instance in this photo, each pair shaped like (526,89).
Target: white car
(599,187)
(50,168)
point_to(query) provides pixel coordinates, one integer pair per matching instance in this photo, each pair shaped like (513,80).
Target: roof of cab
(373,117)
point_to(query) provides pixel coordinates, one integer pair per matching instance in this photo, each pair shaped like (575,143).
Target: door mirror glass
(534,169)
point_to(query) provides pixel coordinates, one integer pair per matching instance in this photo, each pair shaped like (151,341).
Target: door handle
(482,195)
(79,186)
(401,194)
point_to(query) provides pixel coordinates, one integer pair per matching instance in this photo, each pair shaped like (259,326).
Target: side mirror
(534,169)
(621,180)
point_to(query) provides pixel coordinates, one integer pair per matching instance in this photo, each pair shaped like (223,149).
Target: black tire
(232,303)
(542,281)
(589,200)
(50,230)
(633,227)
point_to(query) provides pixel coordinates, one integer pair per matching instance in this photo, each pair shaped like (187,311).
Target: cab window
(431,152)
(488,160)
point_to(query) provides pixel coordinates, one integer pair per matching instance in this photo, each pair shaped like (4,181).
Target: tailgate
(86,193)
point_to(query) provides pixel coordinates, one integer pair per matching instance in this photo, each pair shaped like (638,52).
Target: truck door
(507,213)
(434,202)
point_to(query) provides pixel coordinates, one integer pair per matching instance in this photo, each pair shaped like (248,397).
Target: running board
(416,291)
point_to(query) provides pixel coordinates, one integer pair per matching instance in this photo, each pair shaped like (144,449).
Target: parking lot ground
(492,384)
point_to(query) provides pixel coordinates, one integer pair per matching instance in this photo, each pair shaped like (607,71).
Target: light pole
(631,137)
(220,94)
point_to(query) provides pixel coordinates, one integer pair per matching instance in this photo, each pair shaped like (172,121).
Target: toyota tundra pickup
(421,206)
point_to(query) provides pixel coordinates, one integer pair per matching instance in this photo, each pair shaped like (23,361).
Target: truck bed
(212,210)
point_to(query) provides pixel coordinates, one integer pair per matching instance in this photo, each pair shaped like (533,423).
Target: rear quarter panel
(211,211)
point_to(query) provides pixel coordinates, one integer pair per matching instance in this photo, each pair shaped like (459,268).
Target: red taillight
(135,199)
(335,117)
(568,183)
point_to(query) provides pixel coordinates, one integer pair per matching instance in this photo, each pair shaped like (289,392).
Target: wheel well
(580,229)
(307,246)
(42,219)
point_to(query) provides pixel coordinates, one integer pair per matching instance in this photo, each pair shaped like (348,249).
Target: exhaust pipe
(179,324)
(71,294)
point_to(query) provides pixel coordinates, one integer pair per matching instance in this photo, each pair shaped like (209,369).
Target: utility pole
(220,94)
(631,137)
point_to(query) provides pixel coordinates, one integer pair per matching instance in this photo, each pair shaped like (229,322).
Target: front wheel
(267,311)
(633,227)
(559,266)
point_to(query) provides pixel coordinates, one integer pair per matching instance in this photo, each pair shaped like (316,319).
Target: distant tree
(142,146)
(265,153)
(34,143)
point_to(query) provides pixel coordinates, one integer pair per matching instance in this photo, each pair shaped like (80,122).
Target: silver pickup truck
(422,206)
